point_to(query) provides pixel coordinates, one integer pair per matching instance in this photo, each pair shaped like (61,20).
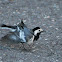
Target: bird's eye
(39,30)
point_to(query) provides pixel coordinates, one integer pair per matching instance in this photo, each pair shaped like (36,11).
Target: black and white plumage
(21,33)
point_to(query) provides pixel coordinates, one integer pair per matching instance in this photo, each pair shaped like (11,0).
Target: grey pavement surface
(44,13)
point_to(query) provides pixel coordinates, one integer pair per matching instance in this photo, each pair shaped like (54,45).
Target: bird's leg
(30,43)
(24,47)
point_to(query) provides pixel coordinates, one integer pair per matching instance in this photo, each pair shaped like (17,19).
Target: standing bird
(22,34)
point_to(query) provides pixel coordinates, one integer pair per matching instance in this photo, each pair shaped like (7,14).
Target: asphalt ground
(46,14)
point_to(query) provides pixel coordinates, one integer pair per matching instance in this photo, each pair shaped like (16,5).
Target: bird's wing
(12,37)
(25,32)
(28,33)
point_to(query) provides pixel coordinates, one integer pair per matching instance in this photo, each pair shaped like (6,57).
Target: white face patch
(37,31)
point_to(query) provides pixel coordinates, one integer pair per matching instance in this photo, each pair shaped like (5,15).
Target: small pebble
(18,12)
(47,17)
(34,14)
(37,43)
(46,39)
(35,50)
(50,26)
(4,54)
(34,47)
(53,20)
(53,43)
(37,7)
(38,56)
(57,36)
(56,60)
(13,12)
(12,46)
(44,24)
(56,28)
(24,11)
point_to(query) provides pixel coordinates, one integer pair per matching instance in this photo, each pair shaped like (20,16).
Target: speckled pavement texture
(44,13)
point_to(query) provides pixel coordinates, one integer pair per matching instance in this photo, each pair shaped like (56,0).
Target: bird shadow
(6,43)
(12,44)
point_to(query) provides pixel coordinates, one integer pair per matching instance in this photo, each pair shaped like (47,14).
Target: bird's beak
(42,30)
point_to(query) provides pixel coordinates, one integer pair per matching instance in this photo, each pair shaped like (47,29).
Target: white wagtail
(22,34)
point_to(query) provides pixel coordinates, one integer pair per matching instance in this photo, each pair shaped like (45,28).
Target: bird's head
(37,31)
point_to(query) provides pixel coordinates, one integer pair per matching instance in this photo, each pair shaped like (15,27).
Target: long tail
(11,28)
